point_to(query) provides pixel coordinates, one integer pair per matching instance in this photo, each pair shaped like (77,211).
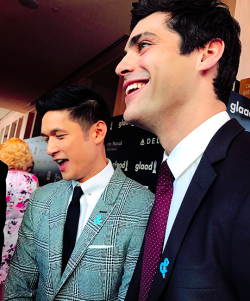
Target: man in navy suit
(3,174)
(180,63)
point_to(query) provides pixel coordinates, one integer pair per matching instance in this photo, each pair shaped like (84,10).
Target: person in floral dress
(20,185)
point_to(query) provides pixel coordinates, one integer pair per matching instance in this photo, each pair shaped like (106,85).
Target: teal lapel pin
(163,267)
(98,220)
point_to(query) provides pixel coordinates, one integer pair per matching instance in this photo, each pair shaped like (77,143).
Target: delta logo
(148,141)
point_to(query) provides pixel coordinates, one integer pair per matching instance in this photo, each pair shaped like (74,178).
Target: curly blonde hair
(16,154)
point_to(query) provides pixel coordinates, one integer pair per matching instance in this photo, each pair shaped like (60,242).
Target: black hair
(84,105)
(198,22)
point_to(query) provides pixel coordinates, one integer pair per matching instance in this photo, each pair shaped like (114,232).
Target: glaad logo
(123,123)
(236,108)
(123,165)
(150,141)
(151,166)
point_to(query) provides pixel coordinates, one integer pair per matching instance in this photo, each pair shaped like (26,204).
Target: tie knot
(77,193)
(165,176)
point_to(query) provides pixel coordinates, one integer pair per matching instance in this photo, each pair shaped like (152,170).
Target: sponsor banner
(137,152)
(239,107)
(45,169)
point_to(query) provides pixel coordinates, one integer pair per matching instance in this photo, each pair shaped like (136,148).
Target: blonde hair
(16,154)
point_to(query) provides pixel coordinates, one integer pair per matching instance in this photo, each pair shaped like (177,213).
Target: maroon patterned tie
(156,229)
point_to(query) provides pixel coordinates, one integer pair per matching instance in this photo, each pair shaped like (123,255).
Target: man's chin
(133,118)
(66,177)
(129,117)
(72,178)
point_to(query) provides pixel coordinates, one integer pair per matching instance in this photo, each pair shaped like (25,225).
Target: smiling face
(76,153)
(158,80)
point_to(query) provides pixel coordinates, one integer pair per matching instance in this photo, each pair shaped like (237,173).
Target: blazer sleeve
(133,251)
(21,282)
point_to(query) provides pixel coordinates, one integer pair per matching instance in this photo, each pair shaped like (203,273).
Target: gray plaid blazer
(104,258)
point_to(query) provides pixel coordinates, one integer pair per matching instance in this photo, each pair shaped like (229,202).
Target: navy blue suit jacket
(209,246)
(3,174)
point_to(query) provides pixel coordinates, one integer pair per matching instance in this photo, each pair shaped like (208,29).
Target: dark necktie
(156,229)
(71,226)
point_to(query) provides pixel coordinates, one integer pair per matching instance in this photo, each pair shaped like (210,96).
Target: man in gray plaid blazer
(113,211)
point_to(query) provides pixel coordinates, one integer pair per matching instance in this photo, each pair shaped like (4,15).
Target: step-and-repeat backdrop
(137,152)
(239,108)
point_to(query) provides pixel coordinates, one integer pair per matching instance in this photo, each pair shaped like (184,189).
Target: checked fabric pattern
(156,229)
(104,257)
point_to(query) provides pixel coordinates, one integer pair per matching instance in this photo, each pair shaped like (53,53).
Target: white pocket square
(100,246)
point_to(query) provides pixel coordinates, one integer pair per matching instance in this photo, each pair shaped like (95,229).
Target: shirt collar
(98,182)
(194,145)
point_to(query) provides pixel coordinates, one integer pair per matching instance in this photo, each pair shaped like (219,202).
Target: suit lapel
(195,193)
(202,180)
(96,221)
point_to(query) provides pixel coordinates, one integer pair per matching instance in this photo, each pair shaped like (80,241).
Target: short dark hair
(198,22)
(84,105)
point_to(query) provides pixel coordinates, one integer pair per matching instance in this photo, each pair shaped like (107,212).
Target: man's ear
(100,131)
(211,54)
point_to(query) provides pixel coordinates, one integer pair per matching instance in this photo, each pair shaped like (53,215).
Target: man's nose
(126,65)
(52,148)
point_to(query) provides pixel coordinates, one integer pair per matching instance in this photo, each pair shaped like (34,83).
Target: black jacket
(209,245)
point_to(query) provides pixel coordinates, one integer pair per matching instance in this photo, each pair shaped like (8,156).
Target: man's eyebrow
(135,39)
(51,132)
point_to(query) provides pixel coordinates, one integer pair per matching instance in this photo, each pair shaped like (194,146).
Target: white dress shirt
(184,160)
(92,190)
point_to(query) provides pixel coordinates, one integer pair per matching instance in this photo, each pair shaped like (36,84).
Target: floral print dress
(20,186)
